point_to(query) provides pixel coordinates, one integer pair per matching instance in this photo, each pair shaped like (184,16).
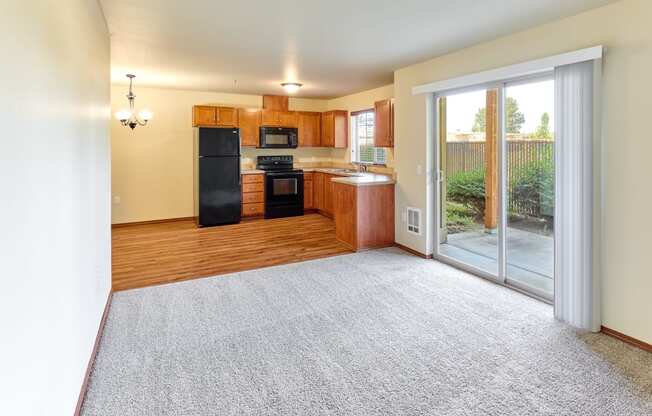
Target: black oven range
(283,186)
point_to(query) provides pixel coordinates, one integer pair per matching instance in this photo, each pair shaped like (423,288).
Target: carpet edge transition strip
(626,339)
(91,361)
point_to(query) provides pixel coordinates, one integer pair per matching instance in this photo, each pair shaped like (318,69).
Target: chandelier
(127,117)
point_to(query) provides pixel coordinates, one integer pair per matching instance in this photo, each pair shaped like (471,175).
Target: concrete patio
(530,256)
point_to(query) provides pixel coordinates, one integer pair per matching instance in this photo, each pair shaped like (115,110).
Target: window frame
(355,146)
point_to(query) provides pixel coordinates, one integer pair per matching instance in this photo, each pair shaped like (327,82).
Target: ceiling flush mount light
(127,117)
(291,87)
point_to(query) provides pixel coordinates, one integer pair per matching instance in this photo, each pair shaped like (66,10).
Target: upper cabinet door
(276,102)
(384,123)
(309,129)
(203,115)
(288,119)
(335,129)
(270,118)
(341,129)
(327,128)
(275,118)
(207,115)
(227,117)
(249,122)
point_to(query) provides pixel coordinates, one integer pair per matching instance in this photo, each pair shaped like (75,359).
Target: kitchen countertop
(365,179)
(346,176)
(333,171)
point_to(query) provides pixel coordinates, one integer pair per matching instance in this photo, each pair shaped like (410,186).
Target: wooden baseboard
(325,214)
(626,338)
(416,253)
(91,361)
(129,224)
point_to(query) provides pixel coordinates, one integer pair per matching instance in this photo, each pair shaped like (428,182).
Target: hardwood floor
(151,254)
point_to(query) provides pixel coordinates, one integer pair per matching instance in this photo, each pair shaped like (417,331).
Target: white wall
(54,212)
(624,28)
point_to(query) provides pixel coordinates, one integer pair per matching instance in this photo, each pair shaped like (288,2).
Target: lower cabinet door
(308,195)
(318,191)
(253,210)
(328,194)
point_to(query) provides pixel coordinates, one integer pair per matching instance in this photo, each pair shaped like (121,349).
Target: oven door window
(277,139)
(285,186)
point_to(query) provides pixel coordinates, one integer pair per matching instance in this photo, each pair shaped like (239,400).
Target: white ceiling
(333,47)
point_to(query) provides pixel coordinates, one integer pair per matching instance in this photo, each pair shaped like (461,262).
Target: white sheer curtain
(577,296)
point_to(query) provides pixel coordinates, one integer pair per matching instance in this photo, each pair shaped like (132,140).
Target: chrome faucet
(362,167)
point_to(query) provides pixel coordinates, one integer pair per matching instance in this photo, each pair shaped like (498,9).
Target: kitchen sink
(349,172)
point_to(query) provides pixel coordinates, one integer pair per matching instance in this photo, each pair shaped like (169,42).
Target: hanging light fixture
(127,117)
(291,87)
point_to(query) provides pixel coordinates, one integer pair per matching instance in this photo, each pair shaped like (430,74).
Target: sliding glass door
(469,210)
(495,185)
(529,234)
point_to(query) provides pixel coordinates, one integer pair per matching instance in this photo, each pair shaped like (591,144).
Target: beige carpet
(375,333)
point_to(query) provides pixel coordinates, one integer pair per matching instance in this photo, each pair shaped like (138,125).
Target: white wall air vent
(414,220)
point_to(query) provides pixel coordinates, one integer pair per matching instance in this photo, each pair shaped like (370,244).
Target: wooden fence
(470,156)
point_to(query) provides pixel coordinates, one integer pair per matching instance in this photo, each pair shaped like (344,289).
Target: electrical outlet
(404,216)
(419,169)
(116,200)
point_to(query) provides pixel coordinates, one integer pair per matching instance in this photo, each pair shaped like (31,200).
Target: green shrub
(534,188)
(459,217)
(455,208)
(468,188)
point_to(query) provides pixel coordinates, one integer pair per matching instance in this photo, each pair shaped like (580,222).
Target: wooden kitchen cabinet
(204,116)
(252,198)
(309,129)
(249,122)
(384,123)
(276,118)
(327,121)
(318,191)
(288,119)
(328,194)
(227,117)
(364,215)
(308,190)
(335,129)
(276,102)
(211,116)
(322,193)
(269,118)
(252,187)
(253,195)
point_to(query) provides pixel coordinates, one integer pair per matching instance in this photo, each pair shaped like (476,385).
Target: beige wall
(55,243)
(152,166)
(624,28)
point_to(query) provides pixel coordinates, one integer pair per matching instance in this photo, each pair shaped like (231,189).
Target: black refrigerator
(218,196)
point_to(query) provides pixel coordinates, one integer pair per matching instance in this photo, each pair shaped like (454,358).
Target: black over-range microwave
(279,137)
